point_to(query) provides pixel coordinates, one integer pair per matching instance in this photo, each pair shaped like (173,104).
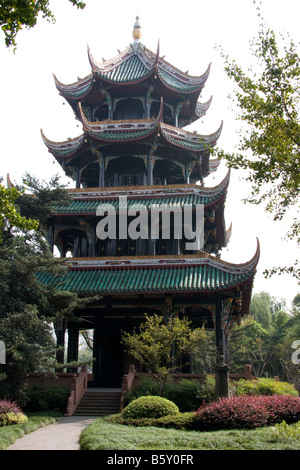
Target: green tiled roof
(131,70)
(84,206)
(120,136)
(171,82)
(143,280)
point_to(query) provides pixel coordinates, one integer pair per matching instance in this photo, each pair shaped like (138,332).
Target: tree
(159,345)
(9,214)
(14,14)
(29,308)
(269,148)
(264,307)
(249,345)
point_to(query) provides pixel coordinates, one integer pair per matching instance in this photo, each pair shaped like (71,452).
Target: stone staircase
(99,402)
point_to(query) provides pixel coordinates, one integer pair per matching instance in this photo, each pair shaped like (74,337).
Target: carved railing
(127,384)
(77,389)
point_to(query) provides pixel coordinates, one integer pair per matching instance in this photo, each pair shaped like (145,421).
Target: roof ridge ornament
(136,33)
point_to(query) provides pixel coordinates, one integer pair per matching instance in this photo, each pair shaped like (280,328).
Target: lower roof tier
(86,200)
(150,274)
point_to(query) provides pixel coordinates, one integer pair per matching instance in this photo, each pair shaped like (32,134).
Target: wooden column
(60,342)
(73,338)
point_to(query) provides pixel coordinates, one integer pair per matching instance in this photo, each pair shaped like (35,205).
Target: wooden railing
(77,389)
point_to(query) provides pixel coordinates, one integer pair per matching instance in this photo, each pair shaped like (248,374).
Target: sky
(190,34)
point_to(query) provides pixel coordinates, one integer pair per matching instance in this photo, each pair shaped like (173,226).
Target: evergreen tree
(29,309)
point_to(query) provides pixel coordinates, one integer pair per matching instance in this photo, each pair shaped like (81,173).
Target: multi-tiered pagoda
(134,150)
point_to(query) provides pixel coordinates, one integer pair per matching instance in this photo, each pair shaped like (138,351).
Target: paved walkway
(62,435)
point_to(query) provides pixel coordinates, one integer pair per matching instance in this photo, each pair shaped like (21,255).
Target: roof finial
(136,33)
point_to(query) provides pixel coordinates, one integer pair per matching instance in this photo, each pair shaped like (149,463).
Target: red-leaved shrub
(9,407)
(248,412)
(11,413)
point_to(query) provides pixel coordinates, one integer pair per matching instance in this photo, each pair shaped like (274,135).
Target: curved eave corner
(66,148)
(75,91)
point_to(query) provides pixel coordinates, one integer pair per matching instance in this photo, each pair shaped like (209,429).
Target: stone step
(99,403)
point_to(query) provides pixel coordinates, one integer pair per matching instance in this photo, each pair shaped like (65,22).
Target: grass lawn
(102,435)
(8,434)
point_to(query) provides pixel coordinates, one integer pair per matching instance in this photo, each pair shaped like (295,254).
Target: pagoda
(134,150)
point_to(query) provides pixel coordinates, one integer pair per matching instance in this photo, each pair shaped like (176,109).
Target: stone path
(62,435)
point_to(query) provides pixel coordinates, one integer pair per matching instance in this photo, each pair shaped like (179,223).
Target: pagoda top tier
(133,110)
(142,69)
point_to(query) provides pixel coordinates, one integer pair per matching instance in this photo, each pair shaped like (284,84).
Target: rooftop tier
(158,275)
(74,225)
(138,73)
(133,109)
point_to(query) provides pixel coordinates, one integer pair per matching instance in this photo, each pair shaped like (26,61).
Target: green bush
(53,398)
(188,395)
(283,431)
(149,407)
(184,393)
(264,386)
(146,386)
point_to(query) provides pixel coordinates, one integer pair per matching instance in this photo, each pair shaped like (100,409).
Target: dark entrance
(108,352)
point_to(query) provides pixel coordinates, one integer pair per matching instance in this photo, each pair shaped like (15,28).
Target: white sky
(188,33)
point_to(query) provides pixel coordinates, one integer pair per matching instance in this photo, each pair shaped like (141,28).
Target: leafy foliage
(27,307)
(41,398)
(15,14)
(159,344)
(9,214)
(264,386)
(269,148)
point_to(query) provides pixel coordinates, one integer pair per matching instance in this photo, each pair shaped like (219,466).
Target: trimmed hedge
(11,413)
(149,407)
(248,412)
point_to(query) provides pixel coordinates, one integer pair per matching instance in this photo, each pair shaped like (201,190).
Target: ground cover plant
(104,435)
(8,434)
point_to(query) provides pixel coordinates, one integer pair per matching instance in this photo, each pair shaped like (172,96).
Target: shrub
(283,432)
(248,412)
(146,386)
(10,413)
(184,393)
(41,398)
(149,407)
(264,386)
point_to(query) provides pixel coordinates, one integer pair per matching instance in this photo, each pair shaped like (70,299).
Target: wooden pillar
(149,170)
(60,342)
(78,174)
(101,162)
(73,337)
